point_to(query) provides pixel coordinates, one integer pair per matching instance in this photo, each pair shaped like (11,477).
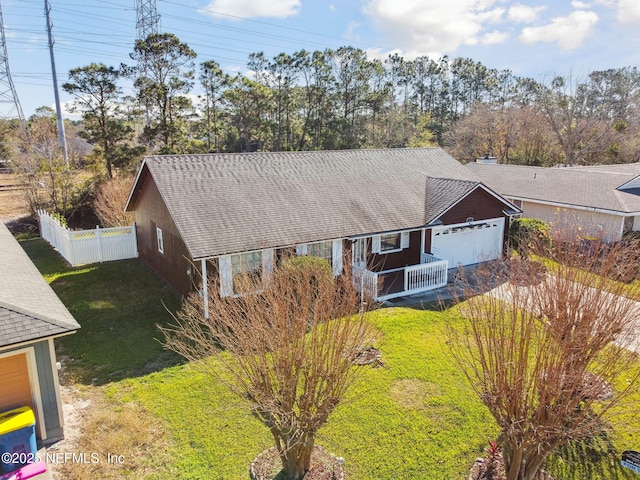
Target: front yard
(415,417)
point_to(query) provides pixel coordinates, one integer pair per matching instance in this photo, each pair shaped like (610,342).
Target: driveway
(630,339)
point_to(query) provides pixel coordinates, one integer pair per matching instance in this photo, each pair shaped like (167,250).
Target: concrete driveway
(630,339)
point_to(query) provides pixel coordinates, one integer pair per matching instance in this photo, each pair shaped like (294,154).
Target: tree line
(333,99)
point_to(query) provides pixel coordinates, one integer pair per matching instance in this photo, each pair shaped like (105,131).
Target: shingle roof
(630,168)
(29,309)
(227,203)
(577,186)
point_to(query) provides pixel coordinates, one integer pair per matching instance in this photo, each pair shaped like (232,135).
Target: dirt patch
(12,198)
(412,393)
(108,440)
(324,466)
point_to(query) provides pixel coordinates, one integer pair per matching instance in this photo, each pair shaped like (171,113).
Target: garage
(468,243)
(14,378)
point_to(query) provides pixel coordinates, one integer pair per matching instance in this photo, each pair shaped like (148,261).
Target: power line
(8,93)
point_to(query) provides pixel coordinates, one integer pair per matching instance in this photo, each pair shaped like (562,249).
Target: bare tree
(110,201)
(545,348)
(292,348)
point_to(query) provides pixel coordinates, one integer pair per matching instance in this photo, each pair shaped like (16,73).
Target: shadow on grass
(118,305)
(595,457)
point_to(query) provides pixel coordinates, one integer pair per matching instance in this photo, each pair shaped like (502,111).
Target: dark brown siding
(403,258)
(479,204)
(151,212)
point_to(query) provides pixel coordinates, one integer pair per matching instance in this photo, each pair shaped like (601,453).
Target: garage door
(15,389)
(469,243)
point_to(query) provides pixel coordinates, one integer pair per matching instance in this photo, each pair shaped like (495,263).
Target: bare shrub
(543,355)
(111,199)
(287,350)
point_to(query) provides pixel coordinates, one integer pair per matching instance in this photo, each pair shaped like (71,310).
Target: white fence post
(87,246)
(99,238)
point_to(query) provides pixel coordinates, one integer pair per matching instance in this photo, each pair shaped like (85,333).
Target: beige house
(600,202)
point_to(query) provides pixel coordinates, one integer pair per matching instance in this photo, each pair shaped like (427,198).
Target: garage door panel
(468,244)
(15,389)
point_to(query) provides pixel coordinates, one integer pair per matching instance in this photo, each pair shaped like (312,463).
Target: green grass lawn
(118,305)
(414,418)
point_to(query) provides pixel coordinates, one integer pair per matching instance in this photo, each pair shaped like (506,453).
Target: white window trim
(159,240)
(336,254)
(226,272)
(376,243)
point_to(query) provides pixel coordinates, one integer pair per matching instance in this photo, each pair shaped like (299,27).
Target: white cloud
(628,11)
(252,8)
(351,33)
(569,32)
(523,13)
(427,27)
(493,38)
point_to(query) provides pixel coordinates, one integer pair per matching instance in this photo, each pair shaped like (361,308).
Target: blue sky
(534,39)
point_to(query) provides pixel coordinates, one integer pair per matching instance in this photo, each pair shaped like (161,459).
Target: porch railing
(425,276)
(417,278)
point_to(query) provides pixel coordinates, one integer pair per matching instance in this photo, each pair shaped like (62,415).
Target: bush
(524,232)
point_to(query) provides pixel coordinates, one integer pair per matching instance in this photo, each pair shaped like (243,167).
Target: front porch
(429,274)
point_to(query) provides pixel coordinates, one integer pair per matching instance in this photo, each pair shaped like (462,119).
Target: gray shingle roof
(227,203)
(630,168)
(577,186)
(29,309)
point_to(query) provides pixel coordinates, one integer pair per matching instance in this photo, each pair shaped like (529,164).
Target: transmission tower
(8,93)
(147,18)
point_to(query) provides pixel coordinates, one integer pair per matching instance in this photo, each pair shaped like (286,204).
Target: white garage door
(468,243)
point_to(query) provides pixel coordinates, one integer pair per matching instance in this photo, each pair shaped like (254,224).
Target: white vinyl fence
(88,246)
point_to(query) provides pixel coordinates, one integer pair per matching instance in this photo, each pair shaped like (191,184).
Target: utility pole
(147,20)
(62,139)
(8,93)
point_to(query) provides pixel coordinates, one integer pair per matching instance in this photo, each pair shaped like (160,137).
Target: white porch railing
(366,282)
(426,276)
(428,258)
(88,246)
(429,275)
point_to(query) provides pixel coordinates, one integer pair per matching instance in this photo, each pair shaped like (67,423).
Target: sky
(536,39)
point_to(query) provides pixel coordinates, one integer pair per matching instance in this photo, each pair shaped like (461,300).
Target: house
(601,202)
(400,217)
(31,317)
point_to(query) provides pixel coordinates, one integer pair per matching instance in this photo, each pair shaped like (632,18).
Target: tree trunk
(296,460)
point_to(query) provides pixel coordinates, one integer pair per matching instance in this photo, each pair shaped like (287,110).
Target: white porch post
(422,250)
(205,287)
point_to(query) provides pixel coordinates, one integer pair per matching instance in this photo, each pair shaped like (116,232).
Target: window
(320,249)
(390,241)
(160,240)
(247,271)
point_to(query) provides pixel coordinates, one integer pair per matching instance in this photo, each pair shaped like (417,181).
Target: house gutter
(574,207)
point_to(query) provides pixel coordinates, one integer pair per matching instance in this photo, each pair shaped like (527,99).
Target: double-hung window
(330,250)
(321,249)
(247,272)
(390,242)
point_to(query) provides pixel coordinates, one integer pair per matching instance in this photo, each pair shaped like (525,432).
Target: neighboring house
(600,202)
(399,217)
(31,316)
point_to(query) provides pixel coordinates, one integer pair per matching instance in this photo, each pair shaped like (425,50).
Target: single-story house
(31,317)
(601,202)
(400,217)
